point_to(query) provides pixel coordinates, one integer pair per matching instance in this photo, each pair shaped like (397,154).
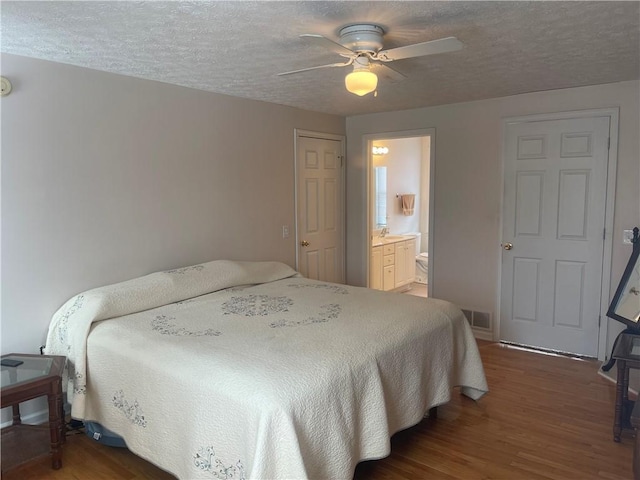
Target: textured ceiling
(238,47)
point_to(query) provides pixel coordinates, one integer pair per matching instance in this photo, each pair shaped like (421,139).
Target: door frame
(367,145)
(297,133)
(613,114)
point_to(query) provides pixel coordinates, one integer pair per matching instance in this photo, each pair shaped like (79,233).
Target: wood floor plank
(545,418)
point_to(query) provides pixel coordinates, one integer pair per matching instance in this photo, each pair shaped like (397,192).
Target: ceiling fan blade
(328,43)
(316,68)
(387,73)
(442,45)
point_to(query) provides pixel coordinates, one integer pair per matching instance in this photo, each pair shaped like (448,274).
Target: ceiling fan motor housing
(362,37)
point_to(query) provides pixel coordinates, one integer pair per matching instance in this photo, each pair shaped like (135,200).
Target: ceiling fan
(361,45)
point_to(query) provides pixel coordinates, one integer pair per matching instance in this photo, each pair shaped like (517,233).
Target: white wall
(107,177)
(468,185)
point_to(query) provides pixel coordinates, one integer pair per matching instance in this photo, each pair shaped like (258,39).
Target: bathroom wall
(403,164)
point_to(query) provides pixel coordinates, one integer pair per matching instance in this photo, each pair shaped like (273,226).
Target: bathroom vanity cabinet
(392,262)
(405,263)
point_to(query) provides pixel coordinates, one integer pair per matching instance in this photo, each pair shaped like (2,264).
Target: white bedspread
(286,379)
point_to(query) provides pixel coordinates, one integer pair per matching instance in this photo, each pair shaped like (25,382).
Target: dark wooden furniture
(37,376)
(627,356)
(635,421)
(624,306)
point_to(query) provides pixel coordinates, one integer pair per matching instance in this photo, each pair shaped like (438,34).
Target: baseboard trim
(35,418)
(482,335)
(612,376)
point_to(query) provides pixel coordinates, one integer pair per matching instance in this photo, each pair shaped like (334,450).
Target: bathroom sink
(394,238)
(377,241)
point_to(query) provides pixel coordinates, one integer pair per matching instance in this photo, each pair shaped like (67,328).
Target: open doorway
(400,211)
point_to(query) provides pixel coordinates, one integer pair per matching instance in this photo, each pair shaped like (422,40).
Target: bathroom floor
(419,290)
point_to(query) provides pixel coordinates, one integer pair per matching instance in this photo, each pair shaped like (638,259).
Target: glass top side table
(36,376)
(30,369)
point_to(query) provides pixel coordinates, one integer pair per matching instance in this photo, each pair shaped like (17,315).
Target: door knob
(507,246)
(304,243)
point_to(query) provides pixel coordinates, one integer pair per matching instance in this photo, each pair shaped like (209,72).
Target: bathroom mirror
(380,196)
(625,306)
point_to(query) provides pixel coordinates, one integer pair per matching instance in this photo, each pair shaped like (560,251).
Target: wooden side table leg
(16,414)
(55,402)
(620,387)
(63,422)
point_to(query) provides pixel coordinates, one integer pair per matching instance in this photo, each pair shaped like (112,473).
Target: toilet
(422,262)
(422,268)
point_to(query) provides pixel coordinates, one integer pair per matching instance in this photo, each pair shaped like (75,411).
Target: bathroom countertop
(378,241)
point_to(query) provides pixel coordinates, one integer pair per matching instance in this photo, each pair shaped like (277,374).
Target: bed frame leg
(433,412)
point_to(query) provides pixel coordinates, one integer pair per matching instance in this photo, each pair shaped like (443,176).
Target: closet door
(555,175)
(319,205)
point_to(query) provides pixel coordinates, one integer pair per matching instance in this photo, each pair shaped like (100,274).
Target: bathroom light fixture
(362,80)
(380,150)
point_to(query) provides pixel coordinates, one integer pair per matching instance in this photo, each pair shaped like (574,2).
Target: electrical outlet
(285,231)
(627,236)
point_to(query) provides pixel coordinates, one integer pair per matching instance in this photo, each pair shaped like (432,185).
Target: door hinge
(599,319)
(609,143)
(604,233)
(341,160)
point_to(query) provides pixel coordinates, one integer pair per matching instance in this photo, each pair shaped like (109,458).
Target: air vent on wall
(478,319)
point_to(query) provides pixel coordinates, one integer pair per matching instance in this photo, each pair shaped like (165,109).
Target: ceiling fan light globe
(361,82)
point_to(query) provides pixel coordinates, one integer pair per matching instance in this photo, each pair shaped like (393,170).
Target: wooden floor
(546,417)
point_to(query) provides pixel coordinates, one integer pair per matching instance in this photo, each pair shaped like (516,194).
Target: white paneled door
(555,175)
(319,205)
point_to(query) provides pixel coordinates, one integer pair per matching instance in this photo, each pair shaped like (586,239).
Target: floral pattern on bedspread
(182,271)
(132,411)
(262,305)
(206,460)
(256,305)
(79,385)
(328,312)
(64,319)
(162,325)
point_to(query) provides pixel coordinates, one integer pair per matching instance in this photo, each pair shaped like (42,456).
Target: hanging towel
(408,202)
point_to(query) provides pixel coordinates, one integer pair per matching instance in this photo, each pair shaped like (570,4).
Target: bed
(247,370)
